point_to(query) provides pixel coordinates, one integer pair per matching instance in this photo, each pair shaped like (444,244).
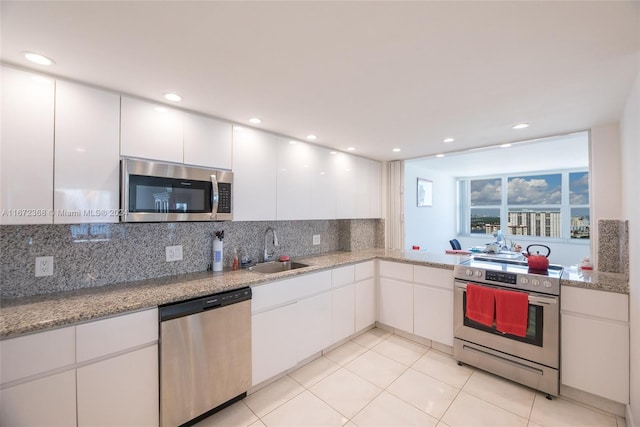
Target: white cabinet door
(254,169)
(363,202)
(598,322)
(323,184)
(343,312)
(295,163)
(151,131)
(48,401)
(115,334)
(207,142)
(87,153)
(365,304)
(26,150)
(120,391)
(38,353)
(433,314)
(375,189)
(313,322)
(344,169)
(273,346)
(396,304)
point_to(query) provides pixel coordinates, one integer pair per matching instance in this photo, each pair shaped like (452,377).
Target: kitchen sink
(276,267)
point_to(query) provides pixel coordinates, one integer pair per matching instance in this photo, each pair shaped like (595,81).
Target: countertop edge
(35,314)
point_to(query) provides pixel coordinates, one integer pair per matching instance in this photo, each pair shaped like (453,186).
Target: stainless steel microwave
(157,192)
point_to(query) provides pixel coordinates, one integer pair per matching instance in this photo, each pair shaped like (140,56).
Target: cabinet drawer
(277,293)
(365,270)
(396,270)
(37,353)
(103,337)
(438,277)
(342,276)
(608,305)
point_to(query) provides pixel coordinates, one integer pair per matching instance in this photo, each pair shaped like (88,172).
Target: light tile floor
(381,379)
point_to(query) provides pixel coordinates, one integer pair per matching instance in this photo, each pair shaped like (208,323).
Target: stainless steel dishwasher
(205,356)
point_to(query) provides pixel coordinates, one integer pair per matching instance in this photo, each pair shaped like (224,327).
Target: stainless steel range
(531,358)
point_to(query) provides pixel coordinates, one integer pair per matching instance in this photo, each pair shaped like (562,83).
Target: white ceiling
(555,153)
(374,75)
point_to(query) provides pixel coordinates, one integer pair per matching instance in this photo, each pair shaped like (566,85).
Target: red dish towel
(512,312)
(480,304)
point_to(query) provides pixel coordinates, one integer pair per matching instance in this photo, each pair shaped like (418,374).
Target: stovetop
(511,274)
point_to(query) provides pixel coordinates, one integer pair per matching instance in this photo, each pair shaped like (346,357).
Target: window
(553,205)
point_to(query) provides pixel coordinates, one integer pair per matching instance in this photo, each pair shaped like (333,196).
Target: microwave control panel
(224,197)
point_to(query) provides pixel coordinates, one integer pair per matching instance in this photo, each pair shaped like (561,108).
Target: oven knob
(535,282)
(547,284)
(524,280)
(478,273)
(469,272)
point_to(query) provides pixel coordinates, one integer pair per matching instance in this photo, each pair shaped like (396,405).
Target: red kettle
(537,261)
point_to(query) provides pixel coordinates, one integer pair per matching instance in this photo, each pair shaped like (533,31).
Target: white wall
(605,179)
(431,228)
(630,155)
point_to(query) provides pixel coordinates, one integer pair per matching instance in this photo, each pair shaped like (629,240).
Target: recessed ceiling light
(351,148)
(333,153)
(505,145)
(439,155)
(520,126)
(36,58)
(292,142)
(312,137)
(172,97)
(255,120)
(396,150)
(448,140)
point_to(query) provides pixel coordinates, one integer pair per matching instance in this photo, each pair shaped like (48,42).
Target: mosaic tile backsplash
(89,255)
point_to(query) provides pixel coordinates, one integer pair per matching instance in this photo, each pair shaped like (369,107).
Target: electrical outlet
(44,266)
(174,253)
(316,239)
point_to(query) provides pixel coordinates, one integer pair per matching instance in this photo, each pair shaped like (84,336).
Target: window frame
(464,205)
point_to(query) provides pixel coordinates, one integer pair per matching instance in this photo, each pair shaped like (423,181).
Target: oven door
(541,343)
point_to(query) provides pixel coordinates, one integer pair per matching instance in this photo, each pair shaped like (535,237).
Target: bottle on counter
(217,250)
(234,263)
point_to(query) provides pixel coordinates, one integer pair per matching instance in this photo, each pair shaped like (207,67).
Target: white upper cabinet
(87,126)
(254,175)
(375,189)
(323,185)
(207,142)
(295,164)
(26,151)
(346,186)
(362,188)
(151,131)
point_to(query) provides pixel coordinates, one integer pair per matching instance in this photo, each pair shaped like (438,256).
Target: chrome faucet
(275,244)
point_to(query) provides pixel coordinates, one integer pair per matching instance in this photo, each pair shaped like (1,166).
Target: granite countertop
(31,314)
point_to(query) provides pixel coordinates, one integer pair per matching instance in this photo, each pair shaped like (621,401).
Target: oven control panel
(502,277)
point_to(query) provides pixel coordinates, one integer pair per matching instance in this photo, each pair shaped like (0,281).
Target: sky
(531,190)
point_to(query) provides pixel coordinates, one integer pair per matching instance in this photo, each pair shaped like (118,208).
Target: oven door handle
(535,299)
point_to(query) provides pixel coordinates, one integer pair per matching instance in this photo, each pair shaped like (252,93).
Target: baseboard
(601,403)
(443,348)
(629,417)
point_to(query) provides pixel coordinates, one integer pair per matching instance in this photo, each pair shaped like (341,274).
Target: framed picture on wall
(425,193)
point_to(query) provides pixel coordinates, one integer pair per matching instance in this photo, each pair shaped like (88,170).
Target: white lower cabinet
(343,312)
(365,304)
(273,344)
(395,304)
(48,401)
(433,304)
(128,382)
(595,342)
(99,373)
(314,325)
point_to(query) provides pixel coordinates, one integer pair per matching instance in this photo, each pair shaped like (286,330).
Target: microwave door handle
(214,196)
